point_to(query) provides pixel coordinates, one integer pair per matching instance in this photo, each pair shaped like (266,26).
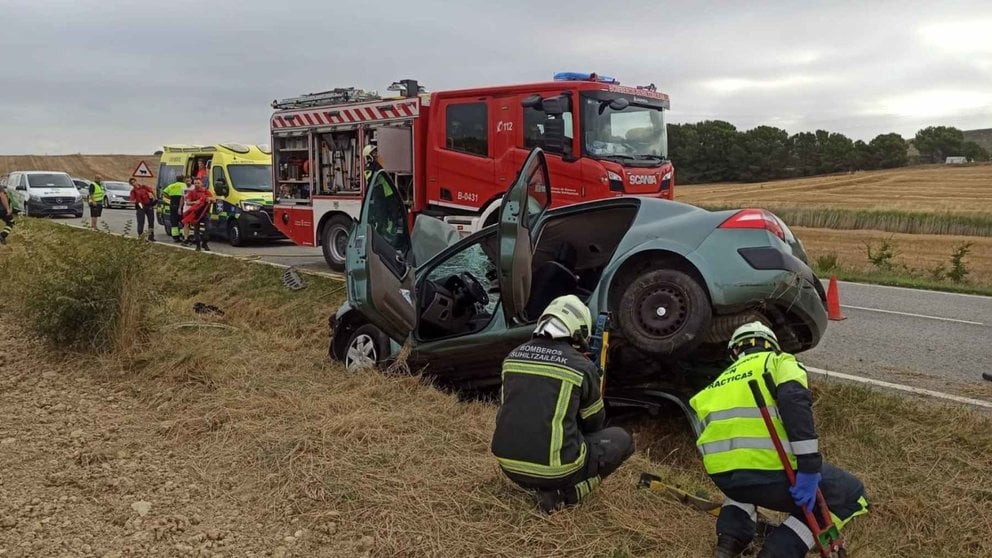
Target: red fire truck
(452,154)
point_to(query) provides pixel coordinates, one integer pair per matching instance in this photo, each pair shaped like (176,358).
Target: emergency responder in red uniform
(549,430)
(144,201)
(6,215)
(199,200)
(742,461)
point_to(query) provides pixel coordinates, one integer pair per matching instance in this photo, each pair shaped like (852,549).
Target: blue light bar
(580,76)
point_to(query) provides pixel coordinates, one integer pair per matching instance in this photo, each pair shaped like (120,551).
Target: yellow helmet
(566,317)
(751,334)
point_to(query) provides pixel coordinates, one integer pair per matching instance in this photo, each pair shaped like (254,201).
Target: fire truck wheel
(664,312)
(334,241)
(367,347)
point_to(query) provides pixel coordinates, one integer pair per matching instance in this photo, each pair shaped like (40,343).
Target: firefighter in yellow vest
(173,194)
(549,430)
(739,456)
(97,193)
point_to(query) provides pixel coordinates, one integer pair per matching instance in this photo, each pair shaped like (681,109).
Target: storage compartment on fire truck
(395,146)
(291,161)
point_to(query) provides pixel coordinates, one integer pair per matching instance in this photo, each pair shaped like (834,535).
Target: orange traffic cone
(833,301)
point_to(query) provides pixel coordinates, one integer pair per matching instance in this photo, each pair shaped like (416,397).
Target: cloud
(124,76)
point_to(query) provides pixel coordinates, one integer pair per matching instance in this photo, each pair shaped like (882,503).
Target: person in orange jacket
(198,215)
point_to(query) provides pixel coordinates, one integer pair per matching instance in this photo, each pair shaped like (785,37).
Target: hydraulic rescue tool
(827,536)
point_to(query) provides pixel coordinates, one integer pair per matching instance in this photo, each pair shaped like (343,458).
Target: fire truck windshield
(634,135)
(251,178)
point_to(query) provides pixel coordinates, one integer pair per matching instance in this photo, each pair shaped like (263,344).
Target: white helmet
(368,151)
(565,318)
(750,334)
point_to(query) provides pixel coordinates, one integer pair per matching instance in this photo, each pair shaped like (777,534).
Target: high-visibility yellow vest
(174,190)
(734,436)
(98,193)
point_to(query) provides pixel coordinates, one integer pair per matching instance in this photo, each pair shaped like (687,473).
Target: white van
(43,193)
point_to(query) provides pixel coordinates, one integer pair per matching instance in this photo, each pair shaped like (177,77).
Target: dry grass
(110,167)
(917,251)
(276,429)
(930,188)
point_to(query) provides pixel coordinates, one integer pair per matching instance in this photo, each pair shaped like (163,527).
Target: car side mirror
(555,140)
(220,187)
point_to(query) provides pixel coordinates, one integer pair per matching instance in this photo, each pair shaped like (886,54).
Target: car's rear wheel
(367,347)
(335,242)
(664,312)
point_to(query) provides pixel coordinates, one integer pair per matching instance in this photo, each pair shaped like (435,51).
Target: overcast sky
(126,77)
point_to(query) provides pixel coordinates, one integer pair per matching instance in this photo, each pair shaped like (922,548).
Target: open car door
(379,277)
(523,207)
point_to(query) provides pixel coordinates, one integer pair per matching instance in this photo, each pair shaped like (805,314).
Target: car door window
(459,295)
(386,213)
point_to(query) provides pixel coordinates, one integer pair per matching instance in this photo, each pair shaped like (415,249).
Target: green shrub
(958,270)
(881,256)
(826,262)
(80,296)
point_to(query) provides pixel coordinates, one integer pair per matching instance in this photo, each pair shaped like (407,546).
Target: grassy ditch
(960,224)
(249,397)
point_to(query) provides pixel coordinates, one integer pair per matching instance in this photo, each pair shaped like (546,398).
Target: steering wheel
(474,288)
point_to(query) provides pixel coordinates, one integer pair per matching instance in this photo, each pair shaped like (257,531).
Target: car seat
(553,278)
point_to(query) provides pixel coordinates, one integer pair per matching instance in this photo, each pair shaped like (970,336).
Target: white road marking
(927,291)
(902,387)
(911,314)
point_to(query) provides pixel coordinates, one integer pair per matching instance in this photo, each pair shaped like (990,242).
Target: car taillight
(754,219)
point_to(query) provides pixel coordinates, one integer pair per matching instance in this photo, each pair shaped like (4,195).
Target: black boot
(205,247)
(728,547)
(550,501)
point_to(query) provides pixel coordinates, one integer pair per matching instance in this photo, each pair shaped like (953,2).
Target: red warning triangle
(142,171)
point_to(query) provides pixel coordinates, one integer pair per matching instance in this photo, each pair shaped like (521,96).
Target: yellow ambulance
(239,177)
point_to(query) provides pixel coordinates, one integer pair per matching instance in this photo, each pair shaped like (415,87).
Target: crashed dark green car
(674,280)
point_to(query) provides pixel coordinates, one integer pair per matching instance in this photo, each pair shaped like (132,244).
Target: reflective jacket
(734,436)
(550,398)
(174,190)
(96,193)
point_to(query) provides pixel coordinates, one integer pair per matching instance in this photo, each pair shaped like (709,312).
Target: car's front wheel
(234,234)
(367,347)
(664,312)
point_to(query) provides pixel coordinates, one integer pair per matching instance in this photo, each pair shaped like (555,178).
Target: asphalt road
(276,251)
(938,341)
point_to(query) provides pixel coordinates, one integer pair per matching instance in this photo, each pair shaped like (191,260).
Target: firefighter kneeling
(549,431)
(741,459)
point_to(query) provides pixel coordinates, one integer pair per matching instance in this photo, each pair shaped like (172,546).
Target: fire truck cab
(453,154)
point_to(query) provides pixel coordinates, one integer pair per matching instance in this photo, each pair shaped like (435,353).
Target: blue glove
(804,491)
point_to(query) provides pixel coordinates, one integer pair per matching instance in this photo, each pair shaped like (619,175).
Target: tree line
(716,151)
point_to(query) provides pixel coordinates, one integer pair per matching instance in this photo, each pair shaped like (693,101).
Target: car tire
(664,312)
(334,242)
(77,215)
(234,234)
(366,347)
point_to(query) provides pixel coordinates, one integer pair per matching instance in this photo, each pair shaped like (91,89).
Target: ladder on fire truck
(340,95)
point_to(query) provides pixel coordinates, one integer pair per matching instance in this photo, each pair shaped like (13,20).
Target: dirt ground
(110,167)
(928,188)
(85,470)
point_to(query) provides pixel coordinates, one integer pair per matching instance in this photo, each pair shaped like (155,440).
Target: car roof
(43,172)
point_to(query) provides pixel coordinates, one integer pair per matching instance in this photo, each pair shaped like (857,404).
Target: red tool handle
(811,521)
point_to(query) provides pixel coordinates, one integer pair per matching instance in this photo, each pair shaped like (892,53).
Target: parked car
(117,194)
(43,193)
(82,185)
(676,280)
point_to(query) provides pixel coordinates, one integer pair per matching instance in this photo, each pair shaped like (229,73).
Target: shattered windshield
(635,132)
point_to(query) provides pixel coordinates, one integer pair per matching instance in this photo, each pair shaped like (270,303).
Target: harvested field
(917,251)
(245,441)
(929,188)
(112,167)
